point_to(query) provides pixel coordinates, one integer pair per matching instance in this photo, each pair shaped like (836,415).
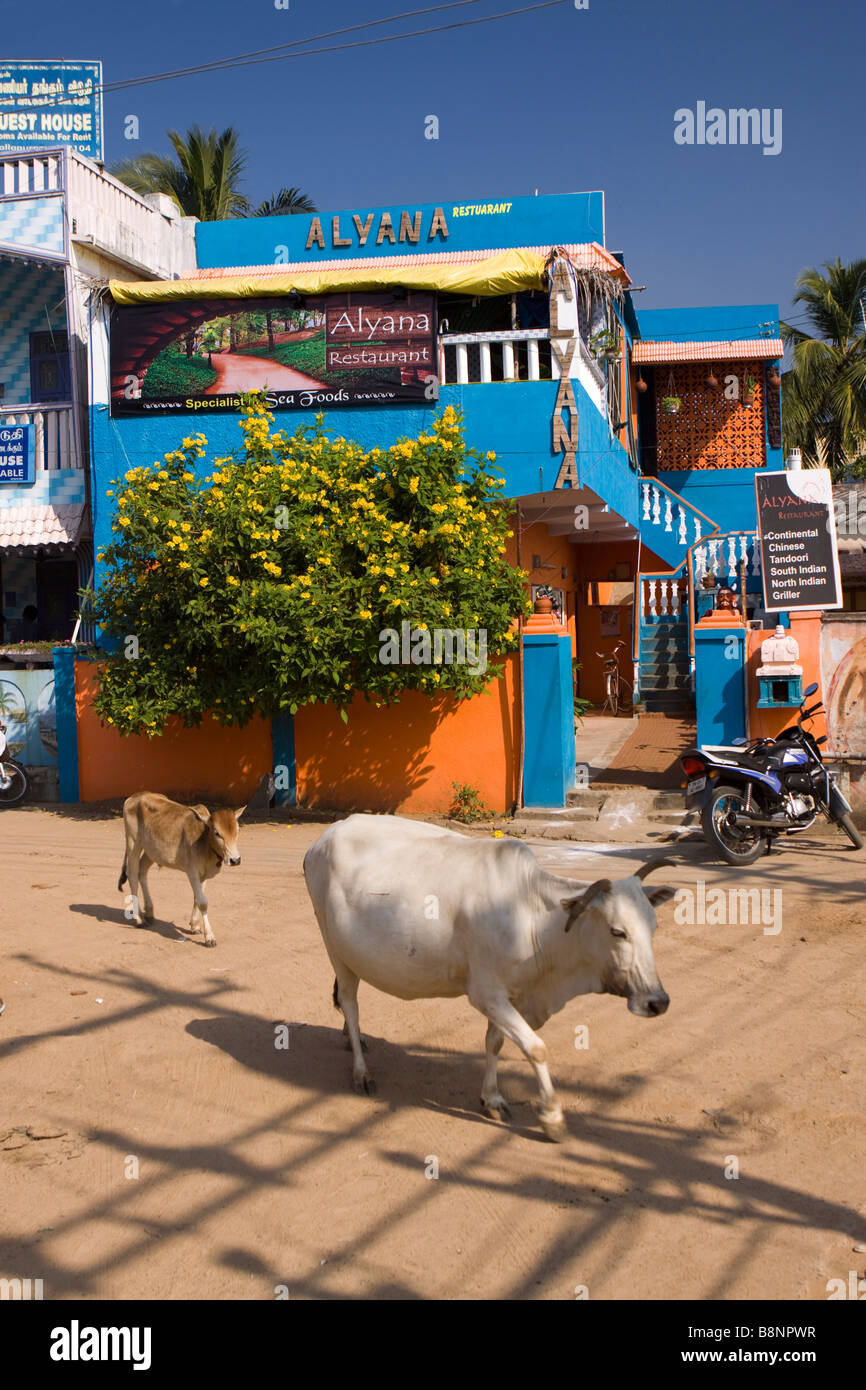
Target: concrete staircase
(665,683)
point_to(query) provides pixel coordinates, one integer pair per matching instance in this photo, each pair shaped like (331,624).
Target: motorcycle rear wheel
(738,845)
(16,782)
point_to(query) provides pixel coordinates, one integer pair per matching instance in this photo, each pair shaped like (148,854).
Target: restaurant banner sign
(199,356)
(49,102)
(797,535)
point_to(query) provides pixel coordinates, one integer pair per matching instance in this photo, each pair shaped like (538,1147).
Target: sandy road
(191,1158)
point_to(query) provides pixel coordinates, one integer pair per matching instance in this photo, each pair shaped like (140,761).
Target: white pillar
(507,361)
(484,356)
(532,359)
(462,364)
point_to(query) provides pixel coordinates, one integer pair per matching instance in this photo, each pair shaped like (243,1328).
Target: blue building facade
(623,500)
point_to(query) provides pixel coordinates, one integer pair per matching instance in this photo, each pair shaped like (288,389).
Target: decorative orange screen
(710,431)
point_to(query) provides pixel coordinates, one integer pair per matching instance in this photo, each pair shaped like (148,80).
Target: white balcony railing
(516,354)
(53,430)
(31,173)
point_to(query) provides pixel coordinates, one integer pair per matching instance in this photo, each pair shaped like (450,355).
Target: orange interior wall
(556,554)
(405,757)
(598,562)
(769,723)
(224,764)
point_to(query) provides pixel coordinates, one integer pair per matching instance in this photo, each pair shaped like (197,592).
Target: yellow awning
(475,273)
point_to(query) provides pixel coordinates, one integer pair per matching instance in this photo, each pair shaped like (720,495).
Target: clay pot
(543,604)
(712,381)
(641,385)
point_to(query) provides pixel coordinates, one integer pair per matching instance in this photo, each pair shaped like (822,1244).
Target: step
(664,687)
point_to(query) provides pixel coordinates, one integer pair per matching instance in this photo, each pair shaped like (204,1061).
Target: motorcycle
(750,793)
(13,778)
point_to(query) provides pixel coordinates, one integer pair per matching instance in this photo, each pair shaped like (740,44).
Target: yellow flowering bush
(265,585)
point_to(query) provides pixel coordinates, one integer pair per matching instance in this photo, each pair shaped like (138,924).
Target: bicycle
(614,680)
(13,778)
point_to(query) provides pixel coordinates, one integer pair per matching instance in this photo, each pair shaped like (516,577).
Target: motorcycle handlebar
(805,713)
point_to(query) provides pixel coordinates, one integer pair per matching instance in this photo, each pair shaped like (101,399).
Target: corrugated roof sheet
(32,526)
(647,353)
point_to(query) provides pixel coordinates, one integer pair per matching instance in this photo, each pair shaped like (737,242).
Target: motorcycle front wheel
(13,783)
(737,844)
(850,830)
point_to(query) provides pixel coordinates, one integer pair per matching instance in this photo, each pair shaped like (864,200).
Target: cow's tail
(336,996)
(122,879)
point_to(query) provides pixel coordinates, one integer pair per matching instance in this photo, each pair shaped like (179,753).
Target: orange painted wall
(765,723)
(405,757)
(222,764)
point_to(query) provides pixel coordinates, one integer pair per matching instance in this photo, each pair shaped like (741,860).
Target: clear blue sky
(558,100)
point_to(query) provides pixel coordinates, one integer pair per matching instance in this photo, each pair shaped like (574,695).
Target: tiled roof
(646,353)
(32,526)
(584,256)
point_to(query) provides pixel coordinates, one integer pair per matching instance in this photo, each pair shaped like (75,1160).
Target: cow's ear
(201,813)
(575,906)
(657,896)
(239,813)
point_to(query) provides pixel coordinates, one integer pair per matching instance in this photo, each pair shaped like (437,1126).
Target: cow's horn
(654,864)
(577,905)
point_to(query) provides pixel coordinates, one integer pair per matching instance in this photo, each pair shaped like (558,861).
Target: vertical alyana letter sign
(797,533)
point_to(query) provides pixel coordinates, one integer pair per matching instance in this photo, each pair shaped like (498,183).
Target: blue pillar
(283,739)
(549,765)
(720,683)
(67,723)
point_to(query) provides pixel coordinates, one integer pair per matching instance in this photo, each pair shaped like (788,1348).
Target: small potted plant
(671,405)
(712,379)
(640,385)
(605,345)
(749,386)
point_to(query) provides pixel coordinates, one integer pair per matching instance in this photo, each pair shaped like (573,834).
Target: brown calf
(190,838)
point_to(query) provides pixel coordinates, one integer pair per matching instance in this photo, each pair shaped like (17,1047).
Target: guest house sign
(51,102)
(15,461)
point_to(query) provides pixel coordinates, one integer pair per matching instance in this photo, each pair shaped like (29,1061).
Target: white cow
(421,912)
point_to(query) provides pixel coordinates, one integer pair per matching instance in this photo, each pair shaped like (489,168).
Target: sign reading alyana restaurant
(205,355)
(797,533)
(45,103)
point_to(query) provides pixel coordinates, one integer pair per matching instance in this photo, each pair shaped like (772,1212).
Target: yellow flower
(413,484)
(365,613)
(231,580)
(125,521)
(203,583)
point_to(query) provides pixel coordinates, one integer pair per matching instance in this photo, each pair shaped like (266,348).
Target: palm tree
(288,200)
(204,177)
(824,393)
